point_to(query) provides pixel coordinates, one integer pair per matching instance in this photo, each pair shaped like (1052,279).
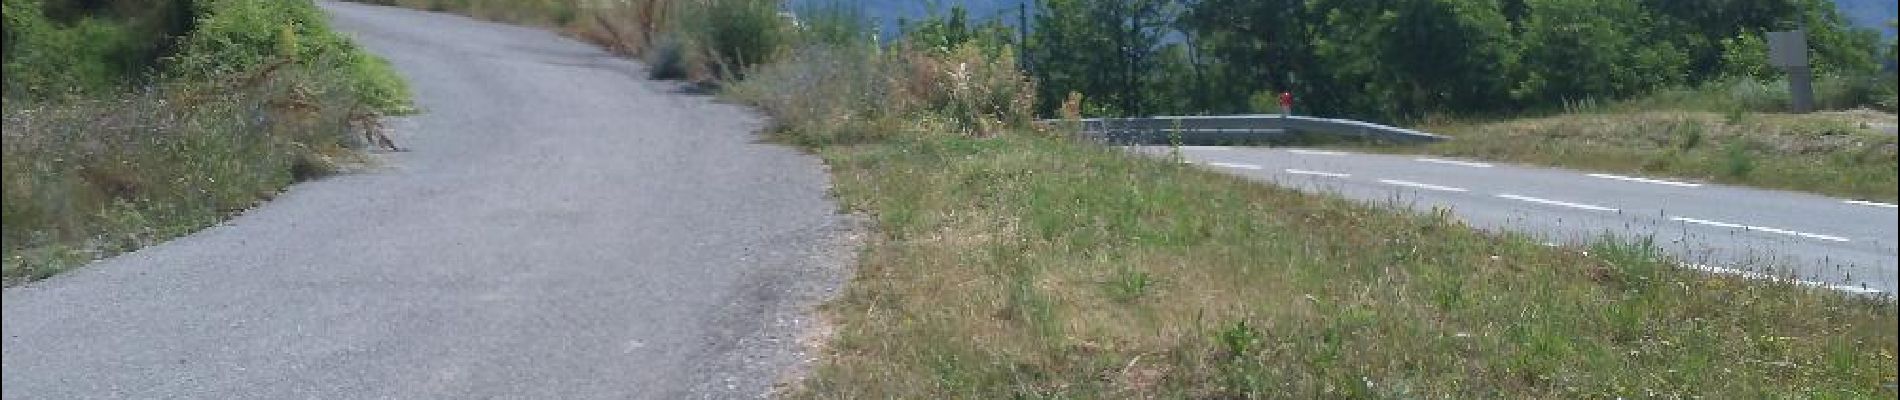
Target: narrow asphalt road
(1844,244)
(561,229)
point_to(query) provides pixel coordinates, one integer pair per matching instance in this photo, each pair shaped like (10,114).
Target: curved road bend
(562,229)
(1845,244)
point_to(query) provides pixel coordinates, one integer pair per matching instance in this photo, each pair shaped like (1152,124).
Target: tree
(1586,49)
(1251,46)
(1412,58)
(1104,49)
(1699,28)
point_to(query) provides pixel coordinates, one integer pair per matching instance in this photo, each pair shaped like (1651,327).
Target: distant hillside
(1870,13)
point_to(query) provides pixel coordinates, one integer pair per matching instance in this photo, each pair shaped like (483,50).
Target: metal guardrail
(1236,129)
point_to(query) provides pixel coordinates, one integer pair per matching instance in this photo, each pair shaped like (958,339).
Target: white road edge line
(1320,173)
(1232,165)
(1558,203)
(1870,203)
(1311,152)
(1761,228)
(1772,278)
(1426,186)
(1453,162)
(1645,180)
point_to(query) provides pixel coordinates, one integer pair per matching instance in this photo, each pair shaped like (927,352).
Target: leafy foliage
(1406,60)
(1106,49)
(241,35)
(70,47)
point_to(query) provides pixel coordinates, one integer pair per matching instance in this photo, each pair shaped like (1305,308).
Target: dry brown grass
(1025,267)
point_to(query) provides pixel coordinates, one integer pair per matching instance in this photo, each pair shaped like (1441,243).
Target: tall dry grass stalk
(88,178)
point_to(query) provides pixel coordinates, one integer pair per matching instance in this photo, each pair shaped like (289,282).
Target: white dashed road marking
(1232,165)
(1315,152)
(1454,162)
(1772,278)
(1760,228)
(1645,180)
(1425,186)
(1557,203)
(1319,173)
(1869,203)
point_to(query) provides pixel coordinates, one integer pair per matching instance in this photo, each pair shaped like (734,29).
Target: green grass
(1029,267)
(259,95)
(1833,153)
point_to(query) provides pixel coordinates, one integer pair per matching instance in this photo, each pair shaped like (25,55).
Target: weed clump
(258,94)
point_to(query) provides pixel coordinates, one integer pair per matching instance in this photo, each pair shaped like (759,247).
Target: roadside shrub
(826,94)
(45,58)
(1736,160)
(1850,90)
(232,36)
(980,94)
(666,59)
(834,23)
(737,35)
(847,94)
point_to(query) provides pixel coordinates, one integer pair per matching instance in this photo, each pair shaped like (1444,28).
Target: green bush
(738,34)
(666,59)
(234,36)
(46,58)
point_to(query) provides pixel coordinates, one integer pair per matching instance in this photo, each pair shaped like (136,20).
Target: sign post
(1788,50)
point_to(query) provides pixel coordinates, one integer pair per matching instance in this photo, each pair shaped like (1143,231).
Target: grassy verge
(1728,132)
(259,94)
(1027,267)
(1833,153)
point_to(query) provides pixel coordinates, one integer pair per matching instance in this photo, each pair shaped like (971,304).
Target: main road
(1843,244)
(561,229)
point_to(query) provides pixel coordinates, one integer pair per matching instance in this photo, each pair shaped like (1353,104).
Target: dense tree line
(1404,59)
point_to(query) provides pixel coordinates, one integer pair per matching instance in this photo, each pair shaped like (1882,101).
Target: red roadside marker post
(1286,104)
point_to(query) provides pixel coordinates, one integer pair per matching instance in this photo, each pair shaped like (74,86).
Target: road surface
(561,229)
(1844,244)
